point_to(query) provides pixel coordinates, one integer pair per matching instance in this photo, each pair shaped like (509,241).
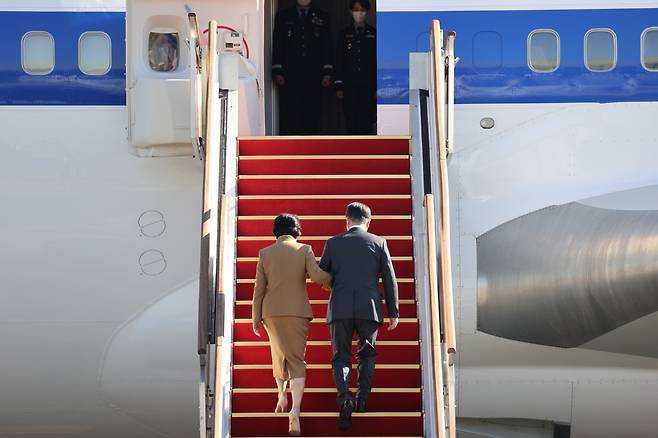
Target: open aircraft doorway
(332,115)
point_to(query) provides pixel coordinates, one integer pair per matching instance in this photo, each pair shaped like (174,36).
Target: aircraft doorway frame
(271,93)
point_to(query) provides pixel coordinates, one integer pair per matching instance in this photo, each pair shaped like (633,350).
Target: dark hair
(287,224)
(357,212)
(364,3)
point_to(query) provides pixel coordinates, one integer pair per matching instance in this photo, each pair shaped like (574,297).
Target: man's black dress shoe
(360,405)
(345,417)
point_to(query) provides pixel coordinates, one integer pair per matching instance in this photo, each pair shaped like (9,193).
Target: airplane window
(94,53)
(543,51)
(163,51)
(487,50)
(38,53)
(600,50)
(650,49)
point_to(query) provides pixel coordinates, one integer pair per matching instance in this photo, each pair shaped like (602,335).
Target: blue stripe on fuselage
(402,32)
(66,84)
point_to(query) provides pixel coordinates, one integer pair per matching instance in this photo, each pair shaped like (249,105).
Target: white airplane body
(100,222)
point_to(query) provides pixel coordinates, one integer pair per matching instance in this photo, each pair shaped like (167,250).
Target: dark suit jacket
(356,259)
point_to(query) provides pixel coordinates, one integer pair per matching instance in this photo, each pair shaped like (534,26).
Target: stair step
(245,290)
(323,164)
(324,145)
(250,246)
(326,424)
(407,309)
(246,268)
(319,375)
(324,399)
(319,352)
(407,330)
(321,204)
(324,184)
(326,225)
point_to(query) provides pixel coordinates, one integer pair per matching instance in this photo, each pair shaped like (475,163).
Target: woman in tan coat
(281,304)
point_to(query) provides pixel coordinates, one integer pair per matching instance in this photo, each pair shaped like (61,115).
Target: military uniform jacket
(356,259)
(302,45)
(356,57)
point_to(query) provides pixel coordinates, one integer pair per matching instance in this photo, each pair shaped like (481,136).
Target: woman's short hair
(364,3)
(287,224)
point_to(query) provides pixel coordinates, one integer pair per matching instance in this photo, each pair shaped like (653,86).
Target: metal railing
(213,231)
(196,84)
(444,344)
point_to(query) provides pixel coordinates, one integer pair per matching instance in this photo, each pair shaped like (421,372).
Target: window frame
(109,39)
(179,40)
(489,69)
(614,45)
(644,32)
(54,57)
(528,51)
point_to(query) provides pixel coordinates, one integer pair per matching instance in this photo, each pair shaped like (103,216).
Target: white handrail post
(438,76)
(450,73)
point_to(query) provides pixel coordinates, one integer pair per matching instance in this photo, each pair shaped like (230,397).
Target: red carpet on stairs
(316,178)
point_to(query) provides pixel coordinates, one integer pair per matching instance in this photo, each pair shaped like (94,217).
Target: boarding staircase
(317,178)
(247,182)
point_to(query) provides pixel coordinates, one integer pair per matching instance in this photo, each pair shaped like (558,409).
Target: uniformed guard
(356,65)
(301,66)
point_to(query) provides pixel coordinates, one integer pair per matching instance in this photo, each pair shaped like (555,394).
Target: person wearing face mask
(356,65)
(301,66)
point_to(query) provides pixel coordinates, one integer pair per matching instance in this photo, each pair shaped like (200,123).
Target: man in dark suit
(355,260)
(301,66)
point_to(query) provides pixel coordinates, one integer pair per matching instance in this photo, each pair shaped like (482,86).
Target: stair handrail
(196,84)
(443,333)
(450,347)
(447,307)
(451,60)
(213,230)
(437,363)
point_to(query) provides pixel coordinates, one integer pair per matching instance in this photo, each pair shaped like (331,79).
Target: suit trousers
(300,103)
(360,107)
(342,331)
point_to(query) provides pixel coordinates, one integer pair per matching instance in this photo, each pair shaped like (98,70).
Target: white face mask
(304,3)
(359,16)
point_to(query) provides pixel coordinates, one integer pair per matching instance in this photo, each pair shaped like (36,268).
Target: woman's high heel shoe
(281,405)
(294,428)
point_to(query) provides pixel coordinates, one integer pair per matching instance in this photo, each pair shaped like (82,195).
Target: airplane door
(158,82)
(197,89)
(162,69)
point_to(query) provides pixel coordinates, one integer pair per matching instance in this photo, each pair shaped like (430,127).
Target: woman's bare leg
(282,402)
(297,387)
